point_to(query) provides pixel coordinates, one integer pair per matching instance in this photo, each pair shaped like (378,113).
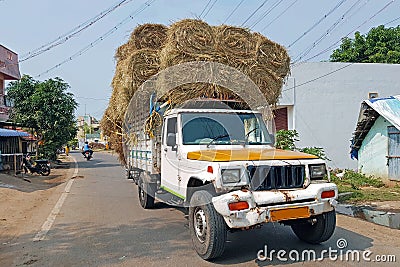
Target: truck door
(169,158)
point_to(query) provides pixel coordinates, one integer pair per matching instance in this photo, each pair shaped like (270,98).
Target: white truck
(221,164)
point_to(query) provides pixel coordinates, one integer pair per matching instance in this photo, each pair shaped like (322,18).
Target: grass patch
(364,188)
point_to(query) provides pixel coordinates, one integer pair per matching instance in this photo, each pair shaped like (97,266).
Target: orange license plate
(289,213)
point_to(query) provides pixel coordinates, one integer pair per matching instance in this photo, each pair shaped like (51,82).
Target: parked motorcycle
(40,166)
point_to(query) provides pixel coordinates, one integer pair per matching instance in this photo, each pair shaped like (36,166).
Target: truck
(219,161)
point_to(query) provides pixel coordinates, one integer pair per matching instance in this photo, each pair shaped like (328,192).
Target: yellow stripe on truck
(247,154)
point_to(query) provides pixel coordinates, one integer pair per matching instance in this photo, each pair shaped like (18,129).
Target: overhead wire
(233,11)
(280,15)
(317,23)
(204,9)
(67,36)
(101,38)
(356,28)
(205,15)
(254,12)
(330,29)
(266,13)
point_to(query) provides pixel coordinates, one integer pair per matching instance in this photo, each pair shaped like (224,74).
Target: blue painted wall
(374,149)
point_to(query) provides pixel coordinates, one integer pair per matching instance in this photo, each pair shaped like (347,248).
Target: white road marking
(56,210)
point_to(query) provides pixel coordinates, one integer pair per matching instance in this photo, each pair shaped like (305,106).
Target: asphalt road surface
(99,222)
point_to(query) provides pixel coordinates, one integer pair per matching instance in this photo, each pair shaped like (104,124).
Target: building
(9,70)
(88,130)
(321,101)
(376,139)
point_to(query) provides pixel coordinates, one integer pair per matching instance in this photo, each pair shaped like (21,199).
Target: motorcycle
(87,155)
(40,166)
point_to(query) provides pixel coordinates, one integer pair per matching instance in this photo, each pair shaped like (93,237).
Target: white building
(321,101)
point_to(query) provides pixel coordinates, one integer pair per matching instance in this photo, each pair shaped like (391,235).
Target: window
(171,128)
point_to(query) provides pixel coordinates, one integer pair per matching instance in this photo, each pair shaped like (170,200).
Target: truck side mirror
(171,139)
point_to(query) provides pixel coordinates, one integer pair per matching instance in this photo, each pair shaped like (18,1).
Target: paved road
(100,223)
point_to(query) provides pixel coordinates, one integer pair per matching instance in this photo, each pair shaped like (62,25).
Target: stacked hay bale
(137,60)
(154,47)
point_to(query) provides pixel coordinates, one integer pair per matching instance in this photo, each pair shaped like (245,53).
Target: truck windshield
(224,128)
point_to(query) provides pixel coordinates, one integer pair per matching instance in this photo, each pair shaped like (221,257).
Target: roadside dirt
(26,199)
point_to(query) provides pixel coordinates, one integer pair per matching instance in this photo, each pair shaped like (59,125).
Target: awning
(12,133)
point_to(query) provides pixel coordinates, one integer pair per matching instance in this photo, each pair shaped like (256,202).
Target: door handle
(165,149)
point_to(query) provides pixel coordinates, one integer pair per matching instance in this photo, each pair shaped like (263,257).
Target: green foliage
(45,107)
(316,151)
(362,188)
(357,180)
(380,45)
(285,139)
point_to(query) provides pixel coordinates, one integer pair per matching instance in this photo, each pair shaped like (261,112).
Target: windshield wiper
(247,135)
(216,138)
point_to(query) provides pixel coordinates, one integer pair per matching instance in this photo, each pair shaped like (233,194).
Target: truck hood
(247,154)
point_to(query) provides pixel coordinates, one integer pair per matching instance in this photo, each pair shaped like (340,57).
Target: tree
(46,108)
(380,45)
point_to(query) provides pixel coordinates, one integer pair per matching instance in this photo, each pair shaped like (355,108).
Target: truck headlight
(230,176)
(317,172)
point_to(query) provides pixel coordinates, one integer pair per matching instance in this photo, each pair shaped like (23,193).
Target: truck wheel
(146,194)
(207,228)
(318,230)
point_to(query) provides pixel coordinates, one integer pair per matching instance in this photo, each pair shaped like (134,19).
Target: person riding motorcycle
(86,148)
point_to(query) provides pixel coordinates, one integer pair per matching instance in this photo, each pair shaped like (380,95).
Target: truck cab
(222,165)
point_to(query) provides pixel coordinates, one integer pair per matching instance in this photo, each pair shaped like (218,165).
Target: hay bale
(148,35)
(154,47)
(235,42)
(124,51)
(272,55)
(191,37)
(143,64)
(269,83)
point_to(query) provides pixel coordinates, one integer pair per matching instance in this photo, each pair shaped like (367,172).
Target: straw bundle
(191,37)
(149,36)
(154,47)
(124,51)
(272,55)
(143,64)
(234,42)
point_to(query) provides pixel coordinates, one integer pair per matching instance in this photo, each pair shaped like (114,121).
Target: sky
(309,29)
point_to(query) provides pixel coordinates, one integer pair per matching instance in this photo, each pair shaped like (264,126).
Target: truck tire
(317,231)
(146,194)
(207,228)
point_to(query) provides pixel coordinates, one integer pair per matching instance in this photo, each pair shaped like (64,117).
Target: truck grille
(276,177)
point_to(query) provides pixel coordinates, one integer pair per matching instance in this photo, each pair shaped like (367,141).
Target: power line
(318,22)
(359,26)
(330,29)
(233,11)
(267,12)
(277,17)
(201,14)
(205,15)
(101,38)
(254,12)
(391,21)
(319,77)
(67,36)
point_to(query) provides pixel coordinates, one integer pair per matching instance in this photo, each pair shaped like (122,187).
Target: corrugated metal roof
(9,133)
(388,107)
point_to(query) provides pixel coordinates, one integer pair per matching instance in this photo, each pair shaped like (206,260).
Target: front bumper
(276,205)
